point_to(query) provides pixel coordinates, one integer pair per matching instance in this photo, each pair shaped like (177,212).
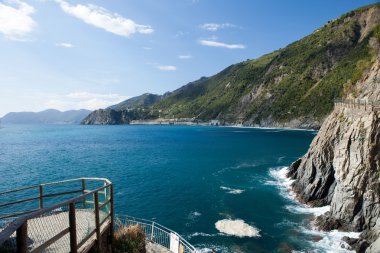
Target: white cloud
(64,44)
(147,48)
(180,34)
(215,27)
(185,57)
(82,100)
(166,68)
(103,18)
(213,43)
(15,19)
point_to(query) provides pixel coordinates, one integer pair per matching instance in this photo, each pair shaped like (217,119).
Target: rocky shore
(342,168)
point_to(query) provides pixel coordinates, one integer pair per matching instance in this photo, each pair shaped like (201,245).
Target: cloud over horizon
(102,18)
(64,44)
(213,27)
(166,67)
(213,43)
(83,100)
(185,57)
(15,19)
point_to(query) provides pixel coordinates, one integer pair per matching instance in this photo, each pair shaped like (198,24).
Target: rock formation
(106,117)
(342,166)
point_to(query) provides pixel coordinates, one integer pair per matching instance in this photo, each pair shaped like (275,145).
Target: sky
(67,54)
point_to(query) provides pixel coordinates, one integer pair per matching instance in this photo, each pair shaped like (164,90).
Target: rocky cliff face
(342,166)
(106,117)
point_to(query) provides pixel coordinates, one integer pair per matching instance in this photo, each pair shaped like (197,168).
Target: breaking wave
(331,241)
(231,190)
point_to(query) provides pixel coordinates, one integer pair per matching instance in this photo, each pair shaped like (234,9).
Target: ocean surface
(222,188)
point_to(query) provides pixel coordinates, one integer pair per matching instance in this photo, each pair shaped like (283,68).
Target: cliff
(342,166)
(106,117)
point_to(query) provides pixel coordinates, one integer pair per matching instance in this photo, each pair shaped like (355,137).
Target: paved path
(156,248)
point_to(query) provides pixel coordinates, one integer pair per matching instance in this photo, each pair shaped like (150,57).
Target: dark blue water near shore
(186,178)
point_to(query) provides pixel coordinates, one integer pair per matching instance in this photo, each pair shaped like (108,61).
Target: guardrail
(158,234)
(363,104)
(72,225)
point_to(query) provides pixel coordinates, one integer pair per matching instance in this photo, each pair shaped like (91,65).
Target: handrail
(42,196)
(150,236)
(19,223)
(372,105)
(56,182)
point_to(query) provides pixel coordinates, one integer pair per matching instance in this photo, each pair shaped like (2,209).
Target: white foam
(237,167)
(280,159)
(316,211)
(201,234)
(237,228)
(193,217)
(331,241)
(282,182)
(231,190)
(207,248)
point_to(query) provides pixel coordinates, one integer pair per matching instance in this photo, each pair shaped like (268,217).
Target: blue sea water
(187,178)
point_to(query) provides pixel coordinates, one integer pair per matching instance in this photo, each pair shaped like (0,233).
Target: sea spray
(231,190)
(331,241)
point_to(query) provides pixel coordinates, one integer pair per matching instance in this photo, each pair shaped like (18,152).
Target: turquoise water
(186,178)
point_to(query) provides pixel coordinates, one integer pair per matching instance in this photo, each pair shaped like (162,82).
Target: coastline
(232,125)
(323,240)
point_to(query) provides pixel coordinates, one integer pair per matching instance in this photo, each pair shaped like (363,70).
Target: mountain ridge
(49,116)
(290,87)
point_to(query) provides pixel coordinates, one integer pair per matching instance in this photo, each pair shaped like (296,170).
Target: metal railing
(156,233)
(72,225)
(362,104)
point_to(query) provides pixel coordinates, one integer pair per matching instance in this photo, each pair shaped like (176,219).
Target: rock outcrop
(106,117)
(342,166)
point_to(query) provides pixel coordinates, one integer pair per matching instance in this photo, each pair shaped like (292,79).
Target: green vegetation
(142,101)
(300,81)
(129,240)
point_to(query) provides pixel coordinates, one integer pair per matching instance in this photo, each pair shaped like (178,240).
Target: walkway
(41,229)
(156,248)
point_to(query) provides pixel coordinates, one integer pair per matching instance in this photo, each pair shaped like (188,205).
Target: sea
(221,188)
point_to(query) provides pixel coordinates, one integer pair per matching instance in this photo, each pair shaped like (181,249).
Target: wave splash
(236,228)
(330,241)
(231,190)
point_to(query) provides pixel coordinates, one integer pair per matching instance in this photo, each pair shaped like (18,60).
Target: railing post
(83,192)
(112,214)
(22,237)
(152,232)
(73,229)
(41,197)
(97,220)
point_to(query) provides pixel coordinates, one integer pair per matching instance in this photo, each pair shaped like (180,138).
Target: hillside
(294,86)
(142,101)
(50,116)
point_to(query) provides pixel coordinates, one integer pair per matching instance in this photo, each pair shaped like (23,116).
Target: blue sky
(67,54)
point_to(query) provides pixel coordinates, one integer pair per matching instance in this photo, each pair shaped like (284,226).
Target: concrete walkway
(156,248)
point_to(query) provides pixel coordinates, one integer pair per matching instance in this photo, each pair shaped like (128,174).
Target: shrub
(129,240)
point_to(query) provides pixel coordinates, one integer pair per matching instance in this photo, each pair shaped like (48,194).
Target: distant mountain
(291,87)
(50,116)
